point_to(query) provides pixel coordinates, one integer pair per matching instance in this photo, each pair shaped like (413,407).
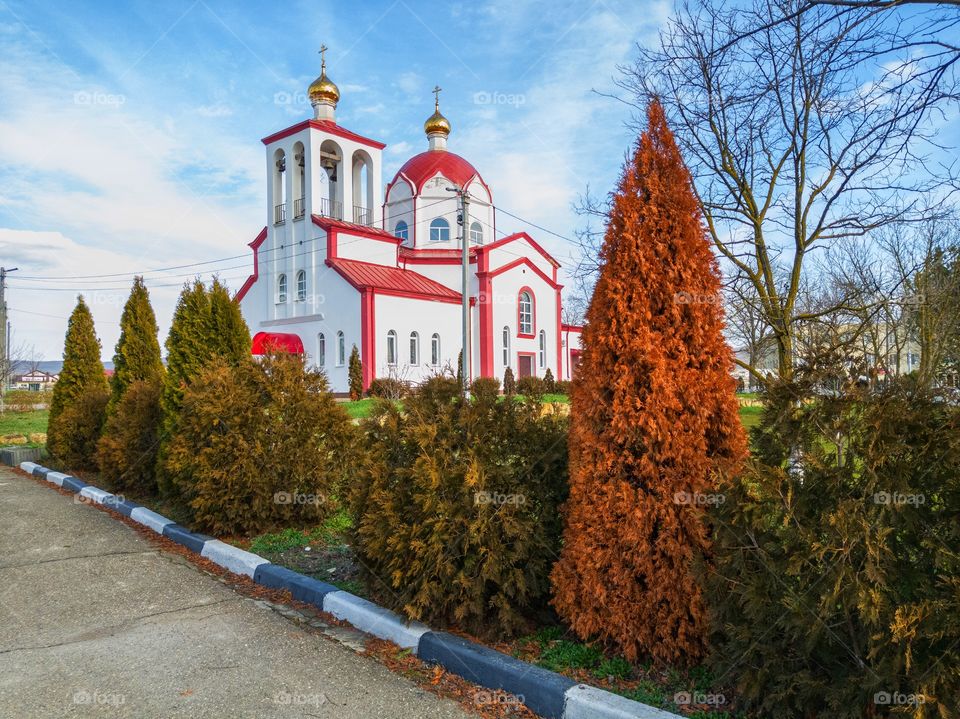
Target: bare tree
(801,130)
(16,358)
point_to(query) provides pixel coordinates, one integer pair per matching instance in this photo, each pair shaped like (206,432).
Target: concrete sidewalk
(95,621)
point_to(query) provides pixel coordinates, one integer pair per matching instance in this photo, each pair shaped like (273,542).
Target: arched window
(401,230)
(543,348)
(391,348)
(414,348)
(281,289)
(476,233)
(321,350)
(435,349)
(506,346)
(439,230)
(301,286)
(341,349)
(525,313)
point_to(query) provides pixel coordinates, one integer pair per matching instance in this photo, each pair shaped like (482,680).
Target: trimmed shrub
(74,442)
(836,575)
(531,386)
(549,383)
(485,386)
(562,387)
(387,388)
(456,507)
(356,375)
(509,383)
(127,452)
(260,446)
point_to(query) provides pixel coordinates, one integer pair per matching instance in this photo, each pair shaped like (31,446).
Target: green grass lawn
(25,423)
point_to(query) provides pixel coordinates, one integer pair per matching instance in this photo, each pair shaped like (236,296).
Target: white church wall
(352,246)
(506,292)
(405,315)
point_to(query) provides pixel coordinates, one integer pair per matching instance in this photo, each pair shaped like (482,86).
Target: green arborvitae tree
(230,336)
(460,369)
(137,355)
(188,352)
(549,383)
(81,378)
(356,375)
(509,382)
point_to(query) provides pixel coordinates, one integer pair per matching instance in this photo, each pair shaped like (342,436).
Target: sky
(130,132)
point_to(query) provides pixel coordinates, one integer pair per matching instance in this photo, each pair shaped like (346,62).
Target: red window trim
(533,313)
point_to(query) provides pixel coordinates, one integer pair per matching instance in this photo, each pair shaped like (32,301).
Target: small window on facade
(391,348)
(301,286)
(341,349)
(435,349)
(281,289)
(414,348)
(439,230)
(543,348)
(401,230)
(526,313)
(506,346)
(321,350)
(476,233)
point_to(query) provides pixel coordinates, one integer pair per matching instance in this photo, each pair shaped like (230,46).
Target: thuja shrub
(531,386)
(486,386)
(74,444)
(387,388)
(127,451)
(509,382)
(456,507)
(835,589)
(259,446)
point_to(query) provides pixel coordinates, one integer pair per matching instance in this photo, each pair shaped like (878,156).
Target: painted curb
(229,557)
(586,702)
(56,478)
(40,472)
(181,535)
(374,619)
(547,693)
(149,518)
(541,690)
(95,494)
(73,484)
(302,588)
(120,505)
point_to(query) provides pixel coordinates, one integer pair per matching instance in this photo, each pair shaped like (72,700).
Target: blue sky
(130,132)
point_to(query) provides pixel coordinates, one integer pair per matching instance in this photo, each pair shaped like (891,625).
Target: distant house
(35,381)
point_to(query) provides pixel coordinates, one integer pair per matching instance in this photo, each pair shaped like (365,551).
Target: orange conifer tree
(654,419)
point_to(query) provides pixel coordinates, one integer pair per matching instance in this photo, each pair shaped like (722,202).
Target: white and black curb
(547,693)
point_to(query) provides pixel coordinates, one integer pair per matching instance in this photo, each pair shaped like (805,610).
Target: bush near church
(80,395)
(531,386)
(127,451)
(259,446)
(836,583)
(387,388)
(455,508)
(509,382)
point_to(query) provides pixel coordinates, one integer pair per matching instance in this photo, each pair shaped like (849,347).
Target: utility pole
(4,329)
(463,220)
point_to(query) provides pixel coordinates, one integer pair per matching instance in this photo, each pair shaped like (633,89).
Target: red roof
(423,167)
(392,280)
(264,342)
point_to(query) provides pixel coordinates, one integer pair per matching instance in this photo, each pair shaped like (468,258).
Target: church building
(345,262)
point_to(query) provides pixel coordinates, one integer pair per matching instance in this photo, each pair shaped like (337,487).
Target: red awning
(276,342)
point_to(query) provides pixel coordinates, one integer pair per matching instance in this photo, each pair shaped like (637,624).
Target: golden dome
(323,90)
(436,123)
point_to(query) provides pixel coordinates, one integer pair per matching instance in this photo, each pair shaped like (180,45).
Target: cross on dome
(437,126)
(324,94)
